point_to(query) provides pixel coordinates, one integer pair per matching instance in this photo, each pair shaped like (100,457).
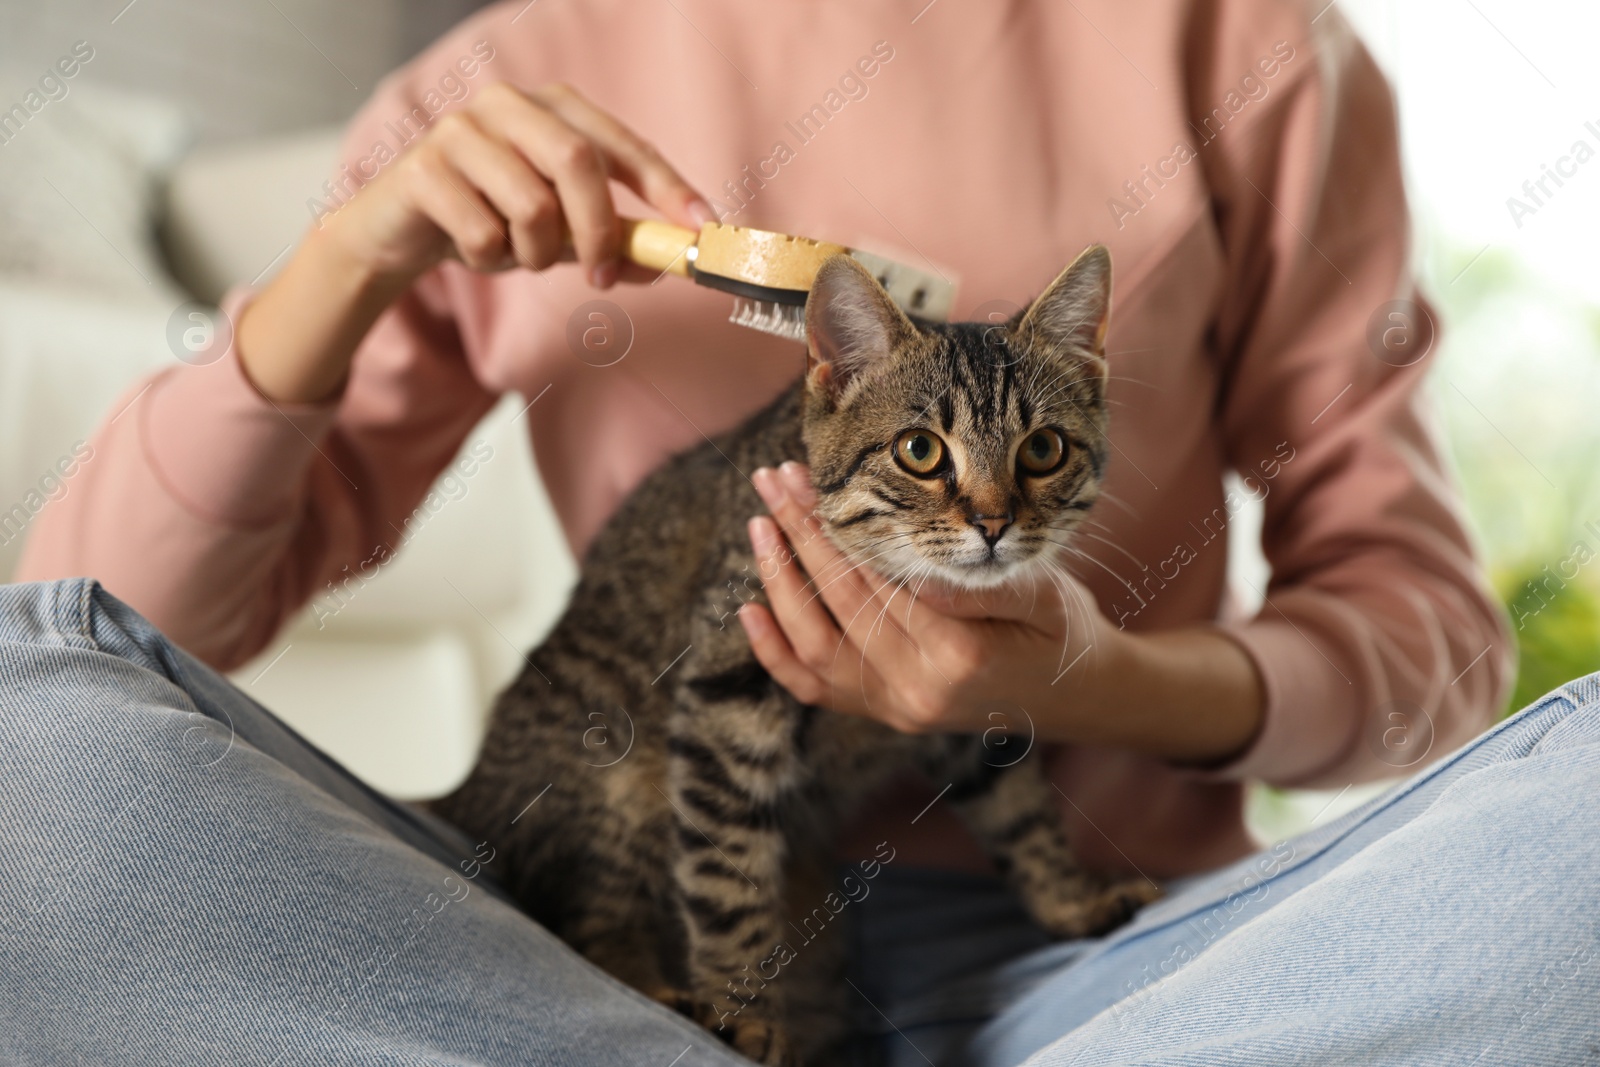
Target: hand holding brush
(521,179)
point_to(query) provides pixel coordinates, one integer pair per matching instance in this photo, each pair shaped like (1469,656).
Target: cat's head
(966,452)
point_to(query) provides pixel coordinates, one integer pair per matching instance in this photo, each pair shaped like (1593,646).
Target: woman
(1238,158)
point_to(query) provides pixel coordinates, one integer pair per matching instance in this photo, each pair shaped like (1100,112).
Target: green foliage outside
(1558,638)
(1517,381)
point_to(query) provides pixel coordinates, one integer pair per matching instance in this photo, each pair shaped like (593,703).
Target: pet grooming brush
(770,274)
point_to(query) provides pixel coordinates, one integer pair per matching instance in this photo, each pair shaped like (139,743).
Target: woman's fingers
(520,196)
(572,163)
(809,628)
(578,149)
(456,206)
(772,648)
(839,584)
(634,161)
(534,172)
(857,598)
(535,168)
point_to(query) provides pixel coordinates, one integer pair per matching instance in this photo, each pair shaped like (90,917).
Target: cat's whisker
(1086,520)
(925,573)
(1054,389)
(854,551)
(845,630)
(876,541)
(1112,498)
(922,572)
(1078,553)
(1070,599)
(851,567)
(876,623)
(1111,545)
(1080,380)
(854,566)
(1077,369)
(874,628)
(924,655)
(1068,587)
(1033,378)
(1112,378)
(1061,588)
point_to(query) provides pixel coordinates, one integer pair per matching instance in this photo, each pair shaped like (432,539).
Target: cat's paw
(757,1039)
(1101,911)
(678,1000)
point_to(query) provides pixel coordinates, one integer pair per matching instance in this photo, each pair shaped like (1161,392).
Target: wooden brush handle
(657,245)
(651,243)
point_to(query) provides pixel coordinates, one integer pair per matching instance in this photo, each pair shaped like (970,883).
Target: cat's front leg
(1013,811)
(734,762)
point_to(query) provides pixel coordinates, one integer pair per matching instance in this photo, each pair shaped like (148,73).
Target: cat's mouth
(965,566)
(989,566)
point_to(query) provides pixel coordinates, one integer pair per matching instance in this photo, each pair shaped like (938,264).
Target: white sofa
(396,684)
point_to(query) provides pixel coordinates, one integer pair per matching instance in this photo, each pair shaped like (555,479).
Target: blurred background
(182,156)
(179,164)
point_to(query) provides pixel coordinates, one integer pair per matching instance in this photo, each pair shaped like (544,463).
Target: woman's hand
(500,183)
(918,659)
(492,184)
(934,661)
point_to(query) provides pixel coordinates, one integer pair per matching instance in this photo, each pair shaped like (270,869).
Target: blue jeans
(185,880)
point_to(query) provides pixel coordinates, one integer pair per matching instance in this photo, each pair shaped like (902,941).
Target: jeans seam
(85,612)
(1581,691)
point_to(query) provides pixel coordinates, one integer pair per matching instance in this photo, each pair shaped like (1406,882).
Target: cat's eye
(920,453)
(1042,452)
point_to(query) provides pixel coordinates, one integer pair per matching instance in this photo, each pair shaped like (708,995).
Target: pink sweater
(1240,163)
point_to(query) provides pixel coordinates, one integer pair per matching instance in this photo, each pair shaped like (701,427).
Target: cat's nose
(991,526)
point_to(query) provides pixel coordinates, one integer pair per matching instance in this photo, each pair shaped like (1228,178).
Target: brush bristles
(780,320)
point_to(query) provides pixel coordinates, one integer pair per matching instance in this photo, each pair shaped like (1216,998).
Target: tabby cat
(677,857)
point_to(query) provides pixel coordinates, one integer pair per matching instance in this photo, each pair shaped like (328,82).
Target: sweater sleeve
(217,512)
(1379,642)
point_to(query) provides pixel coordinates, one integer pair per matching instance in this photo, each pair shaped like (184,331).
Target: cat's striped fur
(671,853)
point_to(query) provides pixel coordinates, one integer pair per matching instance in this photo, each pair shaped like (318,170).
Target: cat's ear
(852,324)
(1071,315)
